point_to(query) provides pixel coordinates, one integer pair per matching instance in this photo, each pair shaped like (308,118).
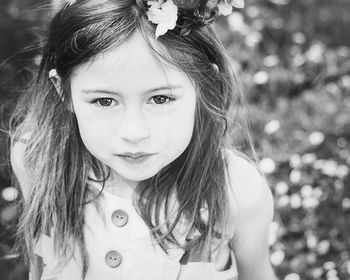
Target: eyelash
(169,99)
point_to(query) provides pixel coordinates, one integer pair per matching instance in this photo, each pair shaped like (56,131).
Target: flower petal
(165,16)
(239,4)
(156,16)
(154,4)
(169,8)
(224,9)
(161,29)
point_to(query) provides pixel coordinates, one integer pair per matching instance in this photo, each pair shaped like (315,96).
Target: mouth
(134,155)
(134,158)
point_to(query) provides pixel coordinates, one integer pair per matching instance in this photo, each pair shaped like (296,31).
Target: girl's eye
(103,102)
(162,99)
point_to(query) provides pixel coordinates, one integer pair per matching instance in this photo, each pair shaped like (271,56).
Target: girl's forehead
(128,64)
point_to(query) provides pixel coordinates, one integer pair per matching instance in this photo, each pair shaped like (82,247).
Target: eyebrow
(112,91)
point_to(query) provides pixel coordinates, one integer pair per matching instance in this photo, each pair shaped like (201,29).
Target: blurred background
(294,58)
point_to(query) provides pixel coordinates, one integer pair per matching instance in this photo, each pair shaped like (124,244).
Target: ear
(56,81)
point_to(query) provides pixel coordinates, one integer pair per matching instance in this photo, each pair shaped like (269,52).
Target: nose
(133,128)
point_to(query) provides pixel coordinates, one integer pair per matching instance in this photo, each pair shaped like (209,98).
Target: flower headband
(193,13)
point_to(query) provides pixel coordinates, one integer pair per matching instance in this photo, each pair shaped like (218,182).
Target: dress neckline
(92,181)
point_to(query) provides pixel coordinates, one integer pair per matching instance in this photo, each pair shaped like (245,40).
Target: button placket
(119,218)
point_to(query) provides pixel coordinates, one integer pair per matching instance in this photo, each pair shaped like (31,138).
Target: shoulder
(253,198)
(251,195)
(245,179)
(17,154)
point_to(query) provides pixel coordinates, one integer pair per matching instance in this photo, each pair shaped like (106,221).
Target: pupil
(105,102)
(159,99)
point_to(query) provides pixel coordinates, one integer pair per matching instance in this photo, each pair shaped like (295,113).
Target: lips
(134,155)
(135,159)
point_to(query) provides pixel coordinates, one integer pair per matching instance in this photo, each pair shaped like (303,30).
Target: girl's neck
(120,186)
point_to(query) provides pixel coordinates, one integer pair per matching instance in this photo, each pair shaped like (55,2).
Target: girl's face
(129,117)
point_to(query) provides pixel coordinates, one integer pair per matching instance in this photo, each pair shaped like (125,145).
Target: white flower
(226,7)
(162,14)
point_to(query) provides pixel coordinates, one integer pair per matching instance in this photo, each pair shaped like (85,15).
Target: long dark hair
(59,163)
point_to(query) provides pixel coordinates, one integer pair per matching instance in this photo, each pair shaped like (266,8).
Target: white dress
(122,248)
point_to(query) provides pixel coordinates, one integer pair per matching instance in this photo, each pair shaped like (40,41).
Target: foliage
(294,57)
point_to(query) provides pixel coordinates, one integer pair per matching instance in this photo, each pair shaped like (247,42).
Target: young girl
(122,150)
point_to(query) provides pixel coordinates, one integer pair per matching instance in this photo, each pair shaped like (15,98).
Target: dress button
(120,218)
(113,258)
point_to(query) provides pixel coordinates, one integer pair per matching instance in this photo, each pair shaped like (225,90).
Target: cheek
(178,128)
(183,124)
(92,130)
